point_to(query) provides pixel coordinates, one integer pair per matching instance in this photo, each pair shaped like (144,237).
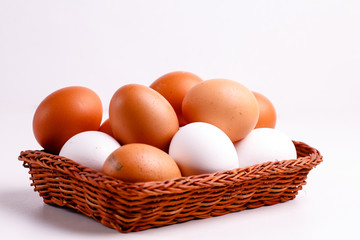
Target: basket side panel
(134,207)
(207,202)
(146,212)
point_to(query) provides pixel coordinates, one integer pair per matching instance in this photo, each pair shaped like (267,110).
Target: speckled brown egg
(139,114)
(174,86)
(140,163)
(224,103)
(106,128)
(267,117)
(64,113)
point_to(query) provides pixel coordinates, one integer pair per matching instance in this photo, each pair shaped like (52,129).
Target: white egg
(90,148)
(263,145)
(201,148)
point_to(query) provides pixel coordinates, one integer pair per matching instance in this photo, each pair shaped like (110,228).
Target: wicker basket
(130,207)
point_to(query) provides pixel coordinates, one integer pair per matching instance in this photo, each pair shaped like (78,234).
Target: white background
(303,55)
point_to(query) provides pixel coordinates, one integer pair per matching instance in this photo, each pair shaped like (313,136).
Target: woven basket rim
(85,174)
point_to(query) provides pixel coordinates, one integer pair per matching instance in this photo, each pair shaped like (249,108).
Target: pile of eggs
(180,125)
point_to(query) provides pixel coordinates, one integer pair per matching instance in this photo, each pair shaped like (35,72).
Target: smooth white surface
(200,148)
(303,55)
(263,145)
(89,148)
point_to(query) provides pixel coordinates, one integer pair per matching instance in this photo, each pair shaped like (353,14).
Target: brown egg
(106,128)
(139,162)
(139,114)
(63,114)
(267,117)
(224,103)
(174,86)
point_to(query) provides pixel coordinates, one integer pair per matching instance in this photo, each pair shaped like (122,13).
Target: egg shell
(224,103)
(267,112)
(106,128)
(139,114)
(90,148)
(64,113)
(174,86)
(200,148)
(138,162)
(263,145)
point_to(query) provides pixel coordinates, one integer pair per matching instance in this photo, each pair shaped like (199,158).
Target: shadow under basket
(129,207)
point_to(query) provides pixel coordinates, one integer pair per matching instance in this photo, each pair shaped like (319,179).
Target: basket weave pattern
(130,207)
